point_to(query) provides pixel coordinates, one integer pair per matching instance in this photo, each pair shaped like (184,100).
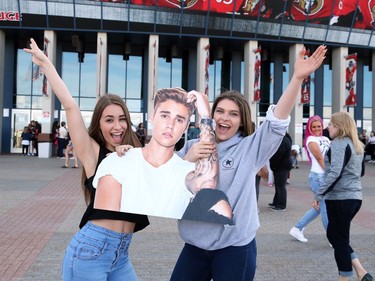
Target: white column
(338,78)
(48,100)
(296,122)
(152,76)
(101,64)
(203,62)
(249,58)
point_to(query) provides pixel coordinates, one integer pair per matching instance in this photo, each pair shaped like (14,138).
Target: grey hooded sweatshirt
(344,169)
(240,159)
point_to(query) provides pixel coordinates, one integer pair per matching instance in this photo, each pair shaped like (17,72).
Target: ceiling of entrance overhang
(332,22)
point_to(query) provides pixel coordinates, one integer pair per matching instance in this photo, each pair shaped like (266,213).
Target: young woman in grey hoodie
(228,252)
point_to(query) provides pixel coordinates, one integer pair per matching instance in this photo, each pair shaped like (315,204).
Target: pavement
(41,205)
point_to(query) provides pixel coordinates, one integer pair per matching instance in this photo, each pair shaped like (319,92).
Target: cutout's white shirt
(146,189)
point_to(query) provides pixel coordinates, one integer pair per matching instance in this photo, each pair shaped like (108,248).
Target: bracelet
(206,121)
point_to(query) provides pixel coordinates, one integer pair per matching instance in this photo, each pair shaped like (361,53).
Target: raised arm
(86,148)
(302,69)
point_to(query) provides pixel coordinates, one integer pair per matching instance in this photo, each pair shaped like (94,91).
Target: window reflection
(214,84)
(125,80)
(70,72)
(29,83)
(88,76)
(327,96)
(80,78)
(169,73)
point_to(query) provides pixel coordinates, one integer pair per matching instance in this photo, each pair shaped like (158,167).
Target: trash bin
(45,144)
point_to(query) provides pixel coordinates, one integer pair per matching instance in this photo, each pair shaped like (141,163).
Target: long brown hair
(96,134)
(247,126)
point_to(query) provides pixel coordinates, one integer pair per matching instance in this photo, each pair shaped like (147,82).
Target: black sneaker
(367,277)
(278,209)
(271,205)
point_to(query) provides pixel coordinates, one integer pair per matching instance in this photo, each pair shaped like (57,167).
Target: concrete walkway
(41,205)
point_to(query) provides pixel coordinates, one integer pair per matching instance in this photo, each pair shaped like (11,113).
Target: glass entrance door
(20,119)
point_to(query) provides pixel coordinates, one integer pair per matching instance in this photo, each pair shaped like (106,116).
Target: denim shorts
(97,253)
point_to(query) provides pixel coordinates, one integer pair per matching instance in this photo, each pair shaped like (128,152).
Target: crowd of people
(232,159)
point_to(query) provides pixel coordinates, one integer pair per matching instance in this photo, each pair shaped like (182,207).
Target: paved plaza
(41,205)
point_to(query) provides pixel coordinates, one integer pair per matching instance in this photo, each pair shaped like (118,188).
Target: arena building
(134,47)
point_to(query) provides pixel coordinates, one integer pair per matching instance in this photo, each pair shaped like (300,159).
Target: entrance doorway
(21,118)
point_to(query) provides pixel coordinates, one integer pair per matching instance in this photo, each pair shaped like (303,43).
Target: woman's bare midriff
(116,225)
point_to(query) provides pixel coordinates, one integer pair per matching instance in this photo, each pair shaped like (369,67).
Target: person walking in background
(33,131)
(55,137)
(281,164)
(69,149)
(270,174)
(229,253)
(326,133)
(141,133)
(370,147)
(316,146)
(295,153)
(342,192)
(363,137)
(38,130)
(62,140)
(108,230)
(193,131)
(25,140)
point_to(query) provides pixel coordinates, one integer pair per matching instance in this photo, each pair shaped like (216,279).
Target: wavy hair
(95,131)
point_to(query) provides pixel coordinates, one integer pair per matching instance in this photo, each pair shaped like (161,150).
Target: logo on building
(9,16)
(309,7)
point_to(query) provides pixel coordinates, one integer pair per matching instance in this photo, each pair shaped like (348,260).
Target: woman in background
(316,146)
(342,192)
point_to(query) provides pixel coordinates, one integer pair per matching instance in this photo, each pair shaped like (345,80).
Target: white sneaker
(298,234)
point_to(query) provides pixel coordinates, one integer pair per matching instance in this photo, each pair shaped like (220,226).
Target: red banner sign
(306,83)
(44,89)
(350,80)
(257,73)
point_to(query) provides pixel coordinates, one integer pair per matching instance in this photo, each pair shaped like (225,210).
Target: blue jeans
(100,254)
(315,180)
(231,263)
(340,214)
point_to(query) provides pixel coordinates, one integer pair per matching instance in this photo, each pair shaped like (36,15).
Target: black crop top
(141,221)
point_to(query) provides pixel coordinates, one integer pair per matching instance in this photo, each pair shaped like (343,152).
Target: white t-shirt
(146,189)
(323,143)
(297,148)
(63,133)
